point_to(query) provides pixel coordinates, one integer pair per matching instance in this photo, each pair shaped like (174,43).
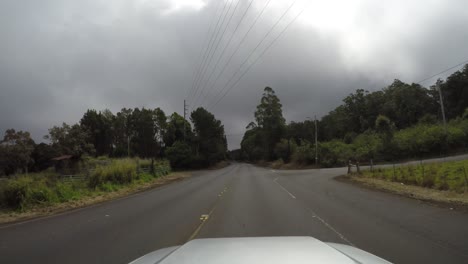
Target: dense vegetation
(402,121)
(98,175)
(143,133)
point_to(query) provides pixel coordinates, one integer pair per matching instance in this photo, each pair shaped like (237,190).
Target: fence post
(349,166)
(466,181)
(357,167)
(138,167)
(371,165)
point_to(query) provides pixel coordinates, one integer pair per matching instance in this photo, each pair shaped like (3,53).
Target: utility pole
(185,115)
(316,146)
(442,108)
(443,116)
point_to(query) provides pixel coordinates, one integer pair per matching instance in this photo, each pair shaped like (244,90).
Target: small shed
(65,164)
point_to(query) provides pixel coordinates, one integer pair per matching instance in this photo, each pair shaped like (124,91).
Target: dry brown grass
(13,216)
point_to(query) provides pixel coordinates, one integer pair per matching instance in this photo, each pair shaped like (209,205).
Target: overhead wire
(189,90)
(444,71)
(224,49)
(203,84)
(240,44)
(207,51)
(211,50)
(253,52)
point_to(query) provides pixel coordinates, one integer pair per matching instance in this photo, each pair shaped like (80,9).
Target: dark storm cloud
(59,58)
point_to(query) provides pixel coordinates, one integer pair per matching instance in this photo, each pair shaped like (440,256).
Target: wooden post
(349,166)
(466,180)
(371,165)
(357,167)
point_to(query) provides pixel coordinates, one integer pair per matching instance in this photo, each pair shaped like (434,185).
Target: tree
(455,93)
(98,127)
(179,155)
(269,118)
(122,132)
(209,138)
(70,140)
(42,156)
(175,130)
(15,151)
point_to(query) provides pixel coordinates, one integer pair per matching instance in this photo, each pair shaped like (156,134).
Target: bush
(304,154)
(335,153)
(179,155)
(368,146)
(284,149)
(16,192)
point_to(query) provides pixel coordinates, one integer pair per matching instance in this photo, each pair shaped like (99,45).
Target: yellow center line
(204,218)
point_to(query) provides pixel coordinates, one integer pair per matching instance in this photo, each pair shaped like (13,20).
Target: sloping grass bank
(436,182)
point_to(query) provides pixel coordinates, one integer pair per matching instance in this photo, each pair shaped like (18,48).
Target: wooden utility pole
(316,144)
(185,116)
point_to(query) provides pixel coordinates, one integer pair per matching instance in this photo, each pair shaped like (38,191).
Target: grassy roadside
(445,183)
(90,198)
(447,198)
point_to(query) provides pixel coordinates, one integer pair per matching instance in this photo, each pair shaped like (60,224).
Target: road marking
(203,219)
(290,194)
(314,215)
(330,227)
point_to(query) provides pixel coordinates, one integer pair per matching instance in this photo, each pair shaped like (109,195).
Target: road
(243,200)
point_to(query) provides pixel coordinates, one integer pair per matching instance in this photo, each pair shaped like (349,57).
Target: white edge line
(290,194)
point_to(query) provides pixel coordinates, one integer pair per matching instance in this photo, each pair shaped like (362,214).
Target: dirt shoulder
(448,199)
(99,197)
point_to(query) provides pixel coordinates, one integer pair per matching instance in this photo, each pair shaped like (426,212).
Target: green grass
(451,176)
(42,189)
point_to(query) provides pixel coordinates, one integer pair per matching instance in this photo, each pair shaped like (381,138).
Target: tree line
(400,121)
(145,133)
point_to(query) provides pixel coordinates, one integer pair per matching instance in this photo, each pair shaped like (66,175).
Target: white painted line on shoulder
(282,187)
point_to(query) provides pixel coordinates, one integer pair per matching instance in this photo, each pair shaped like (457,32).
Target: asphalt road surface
(243,200)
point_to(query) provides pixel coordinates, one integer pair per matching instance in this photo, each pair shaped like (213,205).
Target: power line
(211,51)
(201,50)
(214,52)
(444,71)
(261,54)
(225,47)
(208,49)
(240,43)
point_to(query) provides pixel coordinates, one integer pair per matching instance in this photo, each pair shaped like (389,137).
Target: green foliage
(179,155)
(335,153)
(209,138)
(284,149)
(70,140)
(368,145)
(304,153)
(39,189)
(442,176)
(270,122)
(15,152)
(121,171)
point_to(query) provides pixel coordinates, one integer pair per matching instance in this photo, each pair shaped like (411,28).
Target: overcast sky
(61,57)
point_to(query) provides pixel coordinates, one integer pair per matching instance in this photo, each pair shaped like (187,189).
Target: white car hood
(273,250)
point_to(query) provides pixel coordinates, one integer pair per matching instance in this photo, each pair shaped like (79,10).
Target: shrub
(16,192)
(335,153)
(304,154)
(179,155)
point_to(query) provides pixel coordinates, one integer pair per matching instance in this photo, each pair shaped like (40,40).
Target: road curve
(243,200)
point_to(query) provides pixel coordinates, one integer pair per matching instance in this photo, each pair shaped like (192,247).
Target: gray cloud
(61,57)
